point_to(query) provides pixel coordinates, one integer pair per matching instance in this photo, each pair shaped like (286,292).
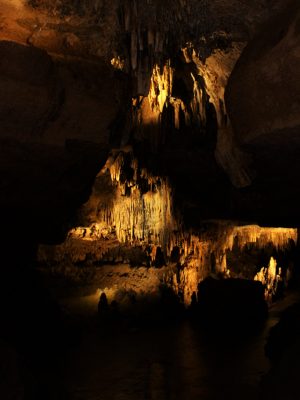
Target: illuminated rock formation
(272,277)
(206,254)
(145,40)
(138,211)
(137,215)
(80,78)
(206,80)
(68,52)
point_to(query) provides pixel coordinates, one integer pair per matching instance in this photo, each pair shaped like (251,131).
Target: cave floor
(125,360)
(169,363)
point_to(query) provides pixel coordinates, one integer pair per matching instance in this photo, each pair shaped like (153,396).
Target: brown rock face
(49,100)
(55,115)
(30,93)
(263,103)
(263,94)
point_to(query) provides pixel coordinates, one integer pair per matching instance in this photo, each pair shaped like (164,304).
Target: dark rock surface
(283,349)
(263,103)
(232,302)
(263,92)
(55,114)
(55,117)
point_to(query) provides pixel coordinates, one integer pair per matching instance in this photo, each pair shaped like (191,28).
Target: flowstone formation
(130,219)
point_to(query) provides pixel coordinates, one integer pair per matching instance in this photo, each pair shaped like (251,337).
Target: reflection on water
(174,362)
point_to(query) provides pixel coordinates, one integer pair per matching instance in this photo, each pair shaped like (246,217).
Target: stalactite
(160,87)
(279,237)
(145,217)
(137,216)
(198,249)
(198,104)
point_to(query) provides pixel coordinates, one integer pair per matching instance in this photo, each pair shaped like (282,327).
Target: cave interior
(149,160)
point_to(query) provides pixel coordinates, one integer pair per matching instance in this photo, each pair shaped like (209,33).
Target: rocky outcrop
(55,117)
(47,100)
(262,99)
(263,91)
(131,208)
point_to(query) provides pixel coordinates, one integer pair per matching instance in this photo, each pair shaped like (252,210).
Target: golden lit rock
(136,216)
(117,63)
(130,216)
(271,277)
(161,87)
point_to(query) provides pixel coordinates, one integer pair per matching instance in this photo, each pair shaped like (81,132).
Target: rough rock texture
(263,102)
(263,92)
(80,77)
(132,209)
(55,117)
(55,113)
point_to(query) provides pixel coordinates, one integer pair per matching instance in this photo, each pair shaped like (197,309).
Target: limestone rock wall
(267,68)
(135,221)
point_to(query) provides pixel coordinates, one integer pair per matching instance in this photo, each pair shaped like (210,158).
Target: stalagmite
(270,277)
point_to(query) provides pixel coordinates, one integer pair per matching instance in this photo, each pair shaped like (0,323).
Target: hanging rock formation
(130,208)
